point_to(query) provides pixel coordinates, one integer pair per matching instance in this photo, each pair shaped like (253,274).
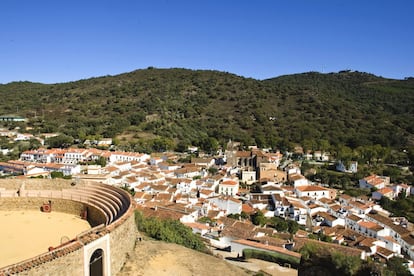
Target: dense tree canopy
(169,231)
(155,109)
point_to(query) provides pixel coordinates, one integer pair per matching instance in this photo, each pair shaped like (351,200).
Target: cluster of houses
(16,136)
(203,200)
(382,187)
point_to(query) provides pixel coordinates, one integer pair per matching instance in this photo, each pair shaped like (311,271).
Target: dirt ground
(25,234)
(164,259)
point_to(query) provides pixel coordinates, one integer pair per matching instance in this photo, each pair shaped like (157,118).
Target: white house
(359,208)
(271,188)
(371,244)
(94,169)
(315,192)
(187,172)
(105,142)
(228,204)
(298,180)
(387,192)
(23,137)
(203,162)
(293,170)
(352,167)
(66,169)
(123,166)
(390,244)
(165,166)
(297,212)
(401,234)
(118,156)
(185,185)
(314,208)
(402,188)
(320,156)
(281,206)
(198,228)
(229,187)
(275,158)
(329,220)
(248,177)
(213,182)
(74,156)
(351,221)
(371,229)
(374,181)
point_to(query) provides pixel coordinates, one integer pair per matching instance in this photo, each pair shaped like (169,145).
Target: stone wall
(122,240)
(35,203)
(95,216)
(58,266)
(38,184)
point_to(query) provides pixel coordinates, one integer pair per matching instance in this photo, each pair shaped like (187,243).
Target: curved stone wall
(110,212)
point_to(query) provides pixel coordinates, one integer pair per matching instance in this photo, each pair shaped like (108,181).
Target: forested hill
(192,107)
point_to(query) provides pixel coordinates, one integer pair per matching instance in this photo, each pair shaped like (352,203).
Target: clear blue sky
(58,41)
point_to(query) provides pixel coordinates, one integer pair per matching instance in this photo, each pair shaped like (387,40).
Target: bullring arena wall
(110,212)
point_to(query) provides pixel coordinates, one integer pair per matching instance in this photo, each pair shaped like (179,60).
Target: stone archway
(96,263)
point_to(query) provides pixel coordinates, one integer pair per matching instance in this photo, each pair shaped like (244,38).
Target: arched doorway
(96,263)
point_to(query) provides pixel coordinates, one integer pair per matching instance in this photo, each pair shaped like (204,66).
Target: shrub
(274,257)
(169,231)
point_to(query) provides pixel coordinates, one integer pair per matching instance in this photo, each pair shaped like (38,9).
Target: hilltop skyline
(53,42)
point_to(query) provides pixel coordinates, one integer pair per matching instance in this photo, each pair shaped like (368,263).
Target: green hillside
(179,106)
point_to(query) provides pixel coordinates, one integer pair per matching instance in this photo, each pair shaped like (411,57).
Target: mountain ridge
(191,106)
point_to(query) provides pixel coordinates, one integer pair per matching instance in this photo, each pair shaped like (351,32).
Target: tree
(348,265)
(386,203)
(181,146)
(309,250)
(162,144)
(293,226)
(136,118)
(210,144)
(258,218)
(244,215)
(323,144)
(397,266)
(279,224)
(56,174)
(34,143)
(61,141)
(212,170)
(234,216)
(101,161)
(168,230)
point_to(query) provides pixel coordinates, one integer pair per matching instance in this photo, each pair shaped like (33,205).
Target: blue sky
(58,41)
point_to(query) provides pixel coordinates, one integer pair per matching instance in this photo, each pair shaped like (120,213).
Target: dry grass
(159,258)
(164,259)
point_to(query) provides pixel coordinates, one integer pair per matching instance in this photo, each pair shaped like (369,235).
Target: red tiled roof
(311,188)
(247,208)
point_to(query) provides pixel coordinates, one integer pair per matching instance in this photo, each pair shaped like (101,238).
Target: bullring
(100,250)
